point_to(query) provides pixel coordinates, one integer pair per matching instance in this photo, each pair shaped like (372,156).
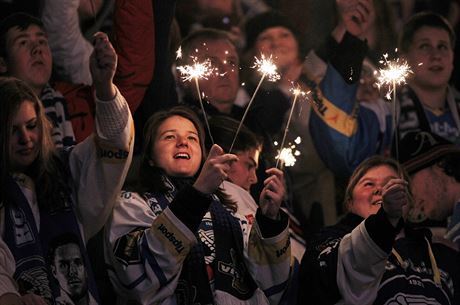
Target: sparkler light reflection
(394,74)
(194,72)
(268,69)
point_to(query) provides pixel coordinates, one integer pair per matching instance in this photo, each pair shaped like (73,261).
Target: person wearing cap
(345,133)
(434,165)
(272,34)
(372,255)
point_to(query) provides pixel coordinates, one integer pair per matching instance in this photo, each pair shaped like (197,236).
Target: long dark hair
(46,170)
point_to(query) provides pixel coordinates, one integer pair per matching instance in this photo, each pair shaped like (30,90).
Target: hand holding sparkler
(268,69)
(194,72)
(273,193)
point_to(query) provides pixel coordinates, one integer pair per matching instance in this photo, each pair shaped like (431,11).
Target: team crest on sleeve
(126,249)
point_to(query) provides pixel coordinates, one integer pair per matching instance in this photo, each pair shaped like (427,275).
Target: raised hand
(273,193)
(395,196)
(103,64)
(214,171)
(355,16)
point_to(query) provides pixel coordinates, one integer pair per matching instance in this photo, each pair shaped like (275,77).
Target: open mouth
(184,156)
(377,202)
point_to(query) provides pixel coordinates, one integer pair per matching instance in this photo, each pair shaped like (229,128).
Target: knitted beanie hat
(421,149)
(261,22)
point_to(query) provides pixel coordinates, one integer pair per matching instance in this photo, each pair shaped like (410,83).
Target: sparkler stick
(394,73)
(296,92)
(267,68)
(194,72)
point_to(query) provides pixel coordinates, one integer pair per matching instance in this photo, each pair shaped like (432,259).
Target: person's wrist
(105,91)
(270,212)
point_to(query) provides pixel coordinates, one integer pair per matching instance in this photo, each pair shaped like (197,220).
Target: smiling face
(367,194)
(25,137)
(176,147)
(430,56)
(281,43)
(28,56)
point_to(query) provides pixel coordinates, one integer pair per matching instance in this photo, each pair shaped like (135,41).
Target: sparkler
(268,69)
(394,74)
(194,72)
(287,155)
(296,92)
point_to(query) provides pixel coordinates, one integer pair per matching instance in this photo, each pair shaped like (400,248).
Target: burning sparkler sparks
(394,74)
(296,91)
(287,155)
(195,72)
(268,69)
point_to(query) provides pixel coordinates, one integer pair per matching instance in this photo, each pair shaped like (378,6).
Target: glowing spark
(394,74)
(296,91)
(267,68)
(197,70)
(194,72)
(287,156)
(179,53)
(297,140)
